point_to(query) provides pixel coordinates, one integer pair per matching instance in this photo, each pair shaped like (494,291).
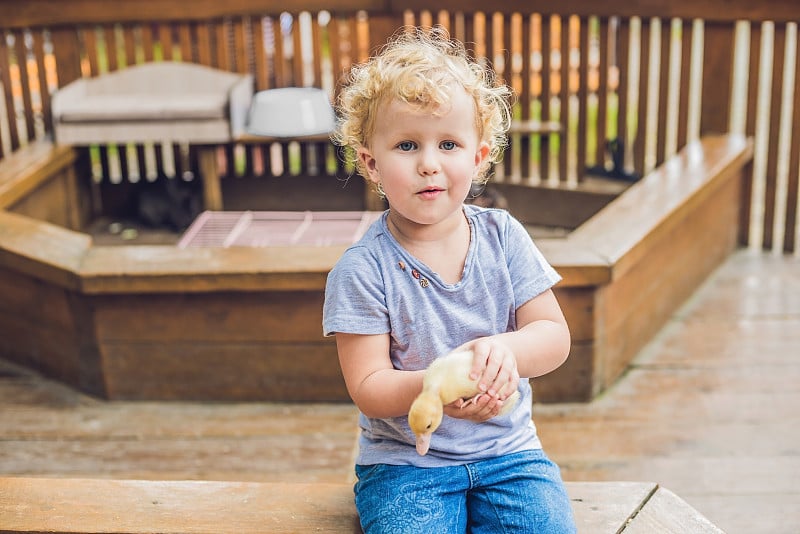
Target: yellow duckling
(445,380)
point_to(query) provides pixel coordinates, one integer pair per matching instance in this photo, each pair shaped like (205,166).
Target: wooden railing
(629,83)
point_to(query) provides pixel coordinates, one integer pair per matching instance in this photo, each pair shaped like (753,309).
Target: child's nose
(429,162)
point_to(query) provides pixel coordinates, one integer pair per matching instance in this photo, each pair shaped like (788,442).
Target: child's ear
(369,164)
(481,154)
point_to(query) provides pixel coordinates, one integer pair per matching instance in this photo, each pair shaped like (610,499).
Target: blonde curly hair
(418,66)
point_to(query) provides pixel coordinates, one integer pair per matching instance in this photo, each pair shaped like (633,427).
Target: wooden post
(212,191)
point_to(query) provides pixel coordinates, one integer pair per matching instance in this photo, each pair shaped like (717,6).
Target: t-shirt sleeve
(355,298)
(531,274)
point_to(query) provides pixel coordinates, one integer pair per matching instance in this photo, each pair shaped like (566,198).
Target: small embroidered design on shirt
(424,282)
(401,265)
(415,273)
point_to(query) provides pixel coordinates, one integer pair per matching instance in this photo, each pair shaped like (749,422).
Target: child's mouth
(430,192)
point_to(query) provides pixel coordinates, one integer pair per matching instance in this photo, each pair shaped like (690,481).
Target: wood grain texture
(94,506)
(666,513)
(134,507)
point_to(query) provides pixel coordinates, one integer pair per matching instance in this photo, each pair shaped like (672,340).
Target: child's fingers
(479,408)
(482,407)
(480,355)
(495,369)
(506,380)
(507,389)
(491,378)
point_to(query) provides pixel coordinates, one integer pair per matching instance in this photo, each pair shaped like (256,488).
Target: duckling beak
(423,443)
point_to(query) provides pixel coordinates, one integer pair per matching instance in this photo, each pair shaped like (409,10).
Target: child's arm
(540,344)
(376,387)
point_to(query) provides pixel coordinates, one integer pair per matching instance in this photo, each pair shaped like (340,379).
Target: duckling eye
(429,426)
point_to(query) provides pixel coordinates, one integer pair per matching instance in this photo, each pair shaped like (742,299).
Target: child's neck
(442,247)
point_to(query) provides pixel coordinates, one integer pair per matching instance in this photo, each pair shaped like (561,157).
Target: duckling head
(424,418)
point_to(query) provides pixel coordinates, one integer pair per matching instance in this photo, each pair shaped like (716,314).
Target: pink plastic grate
(222,229)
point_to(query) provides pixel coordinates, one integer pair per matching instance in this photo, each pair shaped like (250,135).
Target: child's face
(425,162)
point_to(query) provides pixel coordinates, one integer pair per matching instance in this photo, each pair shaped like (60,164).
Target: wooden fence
(629,83)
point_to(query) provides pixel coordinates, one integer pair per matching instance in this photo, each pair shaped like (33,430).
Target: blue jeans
(521,493)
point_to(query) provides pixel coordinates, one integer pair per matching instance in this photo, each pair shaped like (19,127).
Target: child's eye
(407,146)
(448,145)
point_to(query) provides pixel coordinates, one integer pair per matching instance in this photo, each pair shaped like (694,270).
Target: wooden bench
(96,506)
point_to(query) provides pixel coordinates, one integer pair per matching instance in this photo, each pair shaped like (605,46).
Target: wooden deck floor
(710,410)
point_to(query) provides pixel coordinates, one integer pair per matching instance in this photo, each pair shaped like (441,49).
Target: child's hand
(480,408)
(494,366)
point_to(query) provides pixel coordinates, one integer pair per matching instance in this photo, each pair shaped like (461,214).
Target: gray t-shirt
(377,287)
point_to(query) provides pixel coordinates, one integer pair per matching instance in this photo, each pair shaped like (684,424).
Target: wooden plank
(607,507)
(50,430)
(716,10)
(39,327)
(623,57)
(160,269)
(578,305)
(285,317)
(306,456)
(212,191)
(640,135)
(645,207)
(204,45)
(584,41)
(687,42)
(53,12)
(578,266)
(720,177)
(129,506)
(632,309)
(297,68)
(776,109)
(574,381)
(666,513)
(28,168)
(59,12)
(555,206)
(663,90)
(32,300)
(718,42)
(261,74)
(10,107)
(600,126)
(51,202)
(138,506)
(545,95)
(37,410)
(111,273)
(41,80)
(229,371)
(793,187)
(49,350)
(21,51)
(42,250)
(524,79)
